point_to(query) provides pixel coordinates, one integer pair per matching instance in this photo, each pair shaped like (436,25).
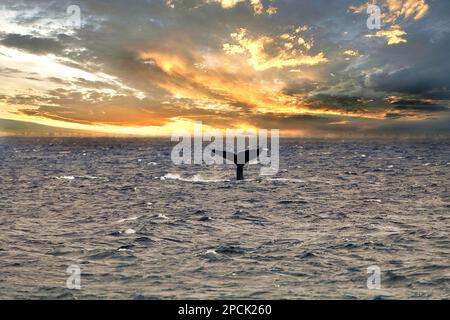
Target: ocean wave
(65,178)
(285,180)
(195,178)
(76,177)
(127,219)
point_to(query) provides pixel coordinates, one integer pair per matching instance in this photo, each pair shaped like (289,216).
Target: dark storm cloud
(300,87)
(353,128)
(32,44)
(419,106)
(330,126)
(429,76)
(346,103)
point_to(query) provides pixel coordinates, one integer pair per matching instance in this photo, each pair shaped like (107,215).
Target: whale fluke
(240,159)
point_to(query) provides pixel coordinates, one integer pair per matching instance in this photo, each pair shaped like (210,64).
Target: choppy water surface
(140,227)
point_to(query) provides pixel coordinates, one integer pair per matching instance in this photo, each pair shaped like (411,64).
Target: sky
(149,67)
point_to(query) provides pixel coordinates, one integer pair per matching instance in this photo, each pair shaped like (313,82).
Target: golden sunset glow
(151,72)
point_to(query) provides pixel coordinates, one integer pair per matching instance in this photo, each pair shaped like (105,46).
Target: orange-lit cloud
(392,13)
(220,89)
(415,9)
(352,53)
(393,35)
(265,52)
(393,10)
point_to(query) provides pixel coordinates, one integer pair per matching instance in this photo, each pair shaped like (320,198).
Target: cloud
(21,128)
(394,13)
(414,108)
(408,9)
(429,129)
(150,66)
(426,77)
(32,44)
(256,5)
(395,10)
(393,35)
(267,52)
(352,53)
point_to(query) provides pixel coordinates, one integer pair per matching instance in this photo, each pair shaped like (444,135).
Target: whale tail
(240,159)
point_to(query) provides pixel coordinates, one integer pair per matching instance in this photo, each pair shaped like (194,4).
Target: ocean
(139,227)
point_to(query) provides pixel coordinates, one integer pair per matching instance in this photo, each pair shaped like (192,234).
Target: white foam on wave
(171,176)
(65,178)
(373,200)
(89,177)
(130,231)
(285,180)
(76,177)
(127,219)
(195,178)
(162,216)
(199,178)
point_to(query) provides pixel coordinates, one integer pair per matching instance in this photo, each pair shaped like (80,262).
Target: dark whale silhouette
(240,159)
